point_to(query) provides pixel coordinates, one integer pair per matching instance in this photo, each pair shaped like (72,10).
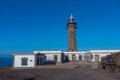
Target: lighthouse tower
(71,26)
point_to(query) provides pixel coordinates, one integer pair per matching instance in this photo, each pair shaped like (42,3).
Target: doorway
(55,58)
(73,57)
(80,57)
(40,59)
(96,58)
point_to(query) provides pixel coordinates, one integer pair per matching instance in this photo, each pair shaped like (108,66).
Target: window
(80,57)
(96,58)
(55,58)
(24,61)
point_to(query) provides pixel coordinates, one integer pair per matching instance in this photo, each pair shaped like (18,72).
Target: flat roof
(23,54)
(35,52)
(104,50)
(72,52)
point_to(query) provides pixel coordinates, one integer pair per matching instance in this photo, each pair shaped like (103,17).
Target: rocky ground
(6,73)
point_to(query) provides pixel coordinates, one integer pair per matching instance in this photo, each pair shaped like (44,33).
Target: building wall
(61,55)
(77,57)
(51,57)
(17,60)
(102,53)
(69,54)
(50,54)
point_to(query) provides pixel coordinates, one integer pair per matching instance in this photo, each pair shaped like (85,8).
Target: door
(96,58)
(73,57)
(55,58)
(39,59)
(80,57)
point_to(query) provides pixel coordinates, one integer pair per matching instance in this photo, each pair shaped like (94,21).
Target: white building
(39,58)
(24,60)
(98,54)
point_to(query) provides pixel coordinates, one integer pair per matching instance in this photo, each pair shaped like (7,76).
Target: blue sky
(28,25)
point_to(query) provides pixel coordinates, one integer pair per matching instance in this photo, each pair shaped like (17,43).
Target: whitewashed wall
(50,54)
(77,56)
(17,60)
(51,57)
(69,54)
(102,53)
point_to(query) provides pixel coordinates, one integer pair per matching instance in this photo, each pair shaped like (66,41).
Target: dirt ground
(6,73)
